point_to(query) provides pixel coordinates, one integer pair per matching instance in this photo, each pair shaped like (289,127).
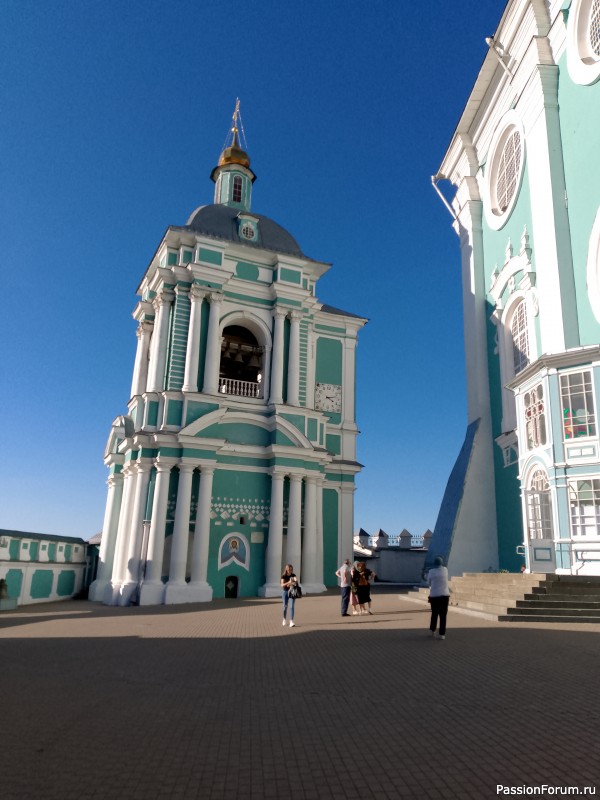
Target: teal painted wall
(330,537)
(238,433)
(66,583)
(580,122)
(14,581)
(196,410)
(245,271)
(328,367)
(239,490)
(41,584)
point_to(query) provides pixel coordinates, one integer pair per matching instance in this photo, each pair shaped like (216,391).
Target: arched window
(241,370)
(504,173)
(520,338)
(539,507)
(535,417)
(236,194)
(583,41)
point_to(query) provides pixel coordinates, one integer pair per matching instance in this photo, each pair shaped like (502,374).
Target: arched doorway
(540,531)
(241,368)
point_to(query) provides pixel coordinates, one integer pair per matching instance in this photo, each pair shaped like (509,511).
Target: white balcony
(232,386)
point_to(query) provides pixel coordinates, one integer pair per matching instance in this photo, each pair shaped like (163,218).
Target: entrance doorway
(539,524)
(231,586)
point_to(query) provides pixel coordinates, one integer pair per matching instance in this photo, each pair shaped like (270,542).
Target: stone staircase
(535,597)
(558,598)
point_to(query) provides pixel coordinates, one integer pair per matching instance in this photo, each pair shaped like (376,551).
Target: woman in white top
(439,596)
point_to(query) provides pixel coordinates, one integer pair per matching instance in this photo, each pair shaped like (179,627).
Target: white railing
(240,388)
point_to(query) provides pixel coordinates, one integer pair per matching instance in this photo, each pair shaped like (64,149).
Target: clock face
(328,397)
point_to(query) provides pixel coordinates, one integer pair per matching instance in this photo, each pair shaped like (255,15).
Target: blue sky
(114,115)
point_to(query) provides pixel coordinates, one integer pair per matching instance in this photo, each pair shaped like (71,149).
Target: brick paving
(218,701)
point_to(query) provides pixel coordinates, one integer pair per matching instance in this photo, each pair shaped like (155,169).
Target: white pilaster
(294,532)
(346,522)
(319,552)
(293,384)
(190,380)
(153,589)
(213,345)
(176,589)
(158,356)
(309,577)
(277,361)
(272,587)
(109,536)
(140,369)
(112,591)
(349,379)
(131,568)
(199,590)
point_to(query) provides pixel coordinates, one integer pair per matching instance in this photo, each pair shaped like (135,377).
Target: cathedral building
(237,454)
(524,168)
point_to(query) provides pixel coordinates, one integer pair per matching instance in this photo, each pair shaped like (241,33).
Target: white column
(131,568)
(319,552)
(277,362)
(109,536)
(213,345)
(140,369)
(272,587)
(158,355)
(111,593)
(192,353)
(176,589)
(293,384)
(349,387)
(294,532)
(200,590)
(153,589)
(309,545)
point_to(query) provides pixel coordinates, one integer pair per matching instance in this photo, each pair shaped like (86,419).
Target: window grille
(577,405)
(539,508)
(508,171)
(535,417)
(237,189)
(595,27)
(247,231)
(584,502)
(520,338)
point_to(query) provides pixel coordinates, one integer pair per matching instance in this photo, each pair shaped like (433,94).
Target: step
(542,611)
(551,601)
(538,618)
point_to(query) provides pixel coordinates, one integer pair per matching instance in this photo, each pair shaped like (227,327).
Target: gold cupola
(232,176)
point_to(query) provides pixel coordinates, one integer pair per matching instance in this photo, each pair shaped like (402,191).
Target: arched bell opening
(241,369)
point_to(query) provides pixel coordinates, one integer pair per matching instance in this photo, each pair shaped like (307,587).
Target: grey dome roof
(220,221)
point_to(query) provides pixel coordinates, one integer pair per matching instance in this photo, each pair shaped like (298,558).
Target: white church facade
(237,453)
(524,167)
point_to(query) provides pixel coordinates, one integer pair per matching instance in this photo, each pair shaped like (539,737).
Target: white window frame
(510,124)
(543,523)
(574,423)
(593,267)
(505,345)
(582,62)
(576,519)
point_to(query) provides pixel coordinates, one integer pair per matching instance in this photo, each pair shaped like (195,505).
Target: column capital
(279,312)
(143,466)
(184,290)
(311,479)
(197,293)
(144,328)
(206,470)
(215,297)
(114,479)
(185,467)
(295,478)
(295,315)
(164,466)
(278,474)
(163,297)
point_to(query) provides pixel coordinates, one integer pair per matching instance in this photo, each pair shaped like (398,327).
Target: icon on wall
(234,549)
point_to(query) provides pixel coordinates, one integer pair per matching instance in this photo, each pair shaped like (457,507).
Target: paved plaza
(220,701)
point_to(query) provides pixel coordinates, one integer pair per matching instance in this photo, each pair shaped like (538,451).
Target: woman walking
(439,596)
(360,579)
(288,579)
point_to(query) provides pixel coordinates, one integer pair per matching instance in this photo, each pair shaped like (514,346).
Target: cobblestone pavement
(220,701)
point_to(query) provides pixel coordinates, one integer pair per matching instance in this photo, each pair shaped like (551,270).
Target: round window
(583,41)
(505,170)
(247,231)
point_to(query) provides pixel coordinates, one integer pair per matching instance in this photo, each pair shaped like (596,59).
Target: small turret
(232,176)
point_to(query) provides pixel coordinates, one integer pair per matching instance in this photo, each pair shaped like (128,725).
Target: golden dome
(234,154)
